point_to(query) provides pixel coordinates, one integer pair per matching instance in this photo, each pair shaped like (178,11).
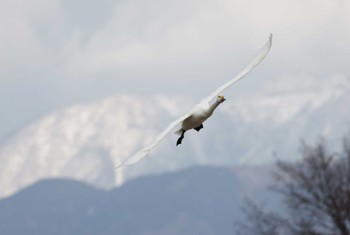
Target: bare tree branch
(316,191)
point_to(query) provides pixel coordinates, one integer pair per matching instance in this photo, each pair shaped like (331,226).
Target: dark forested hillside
(203,200)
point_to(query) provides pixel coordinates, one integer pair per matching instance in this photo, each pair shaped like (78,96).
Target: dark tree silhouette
(315,191)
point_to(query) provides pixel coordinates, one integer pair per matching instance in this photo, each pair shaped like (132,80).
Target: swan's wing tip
(121,165)
(270,40)
(133,159)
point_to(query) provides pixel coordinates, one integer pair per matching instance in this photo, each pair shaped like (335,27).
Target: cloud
(78,51)
(142,34)
(84,38)
(20,44)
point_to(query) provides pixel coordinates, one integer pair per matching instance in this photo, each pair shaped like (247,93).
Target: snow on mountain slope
(82,142)
(85,142)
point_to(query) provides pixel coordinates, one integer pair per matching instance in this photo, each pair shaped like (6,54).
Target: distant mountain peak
(85,142)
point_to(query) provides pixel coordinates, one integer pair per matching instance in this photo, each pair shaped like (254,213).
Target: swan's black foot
(198,127)
(181,137)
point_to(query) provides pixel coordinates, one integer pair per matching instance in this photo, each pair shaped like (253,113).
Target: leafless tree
(315,191)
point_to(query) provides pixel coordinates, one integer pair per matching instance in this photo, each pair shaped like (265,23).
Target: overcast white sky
(61,52)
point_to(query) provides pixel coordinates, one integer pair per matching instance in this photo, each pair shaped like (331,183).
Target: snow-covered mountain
(85,142)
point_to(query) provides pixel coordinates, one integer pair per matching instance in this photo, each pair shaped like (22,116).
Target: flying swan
(201,112)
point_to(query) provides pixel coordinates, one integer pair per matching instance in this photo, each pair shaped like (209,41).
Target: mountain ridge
(193,200)
(85,142)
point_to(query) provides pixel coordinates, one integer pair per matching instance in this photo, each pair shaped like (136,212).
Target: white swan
(201,112)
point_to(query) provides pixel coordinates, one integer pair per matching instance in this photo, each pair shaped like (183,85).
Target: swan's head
(221,98)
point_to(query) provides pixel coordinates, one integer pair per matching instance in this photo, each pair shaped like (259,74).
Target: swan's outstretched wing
(257,59)
(143,152)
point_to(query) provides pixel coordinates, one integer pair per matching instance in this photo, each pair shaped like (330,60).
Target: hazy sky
(61,52)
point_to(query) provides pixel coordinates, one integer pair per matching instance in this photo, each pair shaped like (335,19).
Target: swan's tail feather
(179,132)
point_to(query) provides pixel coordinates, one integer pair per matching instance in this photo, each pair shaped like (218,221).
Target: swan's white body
(202,111)
(199,115)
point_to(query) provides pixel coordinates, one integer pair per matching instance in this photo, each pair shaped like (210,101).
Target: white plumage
(201,111)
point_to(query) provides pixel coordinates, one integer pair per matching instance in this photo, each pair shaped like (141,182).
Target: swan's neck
(213,106)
